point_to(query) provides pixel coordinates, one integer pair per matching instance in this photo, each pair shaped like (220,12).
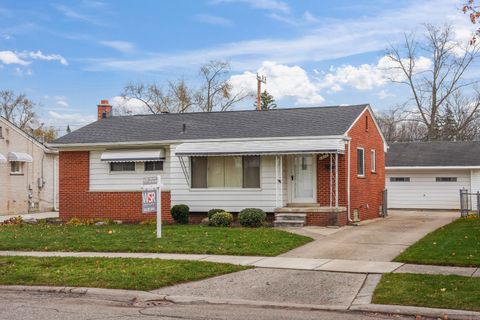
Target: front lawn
(142,238)
(115,273)
(436,291)
(456,244)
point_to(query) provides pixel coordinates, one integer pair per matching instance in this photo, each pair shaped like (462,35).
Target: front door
(303,172)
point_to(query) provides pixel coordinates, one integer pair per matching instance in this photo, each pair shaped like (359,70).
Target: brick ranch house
(316,166)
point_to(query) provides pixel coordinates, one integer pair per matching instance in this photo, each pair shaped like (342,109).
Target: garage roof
(295,122)
(434,154)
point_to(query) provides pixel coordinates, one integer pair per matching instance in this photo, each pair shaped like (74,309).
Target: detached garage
(429,175)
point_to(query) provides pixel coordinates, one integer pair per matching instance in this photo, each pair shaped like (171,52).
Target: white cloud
(383,94)
(38,55)
(272,5)
(306,19)
(75,15)
(10,57)
(131,105)
(214,20)
(122,46)
(23,72)
(367,76)
(74,118)
(332,39)
(282,82)
(61,102)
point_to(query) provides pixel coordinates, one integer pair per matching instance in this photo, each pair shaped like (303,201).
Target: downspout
(55,184)
(350,220)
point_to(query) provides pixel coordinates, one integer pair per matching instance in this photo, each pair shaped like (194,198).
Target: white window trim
(363,162)
(20,166)
(373,160)
(241,189)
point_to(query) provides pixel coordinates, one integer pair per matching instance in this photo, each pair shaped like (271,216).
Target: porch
(302,181)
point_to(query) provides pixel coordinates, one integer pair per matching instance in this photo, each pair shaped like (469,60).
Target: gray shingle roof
(433,154)
(318,121)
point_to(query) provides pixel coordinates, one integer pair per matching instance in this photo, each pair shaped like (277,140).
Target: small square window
(154,166)
(16,167)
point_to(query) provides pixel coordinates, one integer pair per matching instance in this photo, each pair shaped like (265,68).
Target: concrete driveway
(376,240)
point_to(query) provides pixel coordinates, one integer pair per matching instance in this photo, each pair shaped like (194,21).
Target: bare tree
(398,124)
(431,89)
(217,93)
(16,108)
(150,95)
(182,98)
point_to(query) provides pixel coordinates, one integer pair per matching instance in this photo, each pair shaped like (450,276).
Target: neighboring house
(429,175)
(28,172)
(325,162)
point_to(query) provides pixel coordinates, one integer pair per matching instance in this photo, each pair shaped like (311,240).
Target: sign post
(152,199)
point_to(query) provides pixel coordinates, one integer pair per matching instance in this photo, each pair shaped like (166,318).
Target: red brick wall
(366,192)
(324,219)
(77,201)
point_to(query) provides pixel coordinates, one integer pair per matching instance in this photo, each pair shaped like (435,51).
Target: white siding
(475,185)
(101,179)
(423,192)
(234,200)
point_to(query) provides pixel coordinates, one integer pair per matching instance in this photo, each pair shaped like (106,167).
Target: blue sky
(67,55)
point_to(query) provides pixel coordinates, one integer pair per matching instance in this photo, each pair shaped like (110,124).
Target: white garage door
(426,189)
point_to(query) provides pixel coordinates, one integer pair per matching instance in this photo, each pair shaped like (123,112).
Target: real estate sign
(152,199)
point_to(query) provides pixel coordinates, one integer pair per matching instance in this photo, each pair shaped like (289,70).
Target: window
(373,160)
(446,179)
(226,172)
(16,167)
(360,162)
(154,166)
(122,166)
(1,133)
(399,179)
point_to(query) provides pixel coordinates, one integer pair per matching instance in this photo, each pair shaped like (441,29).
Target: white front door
(303,178)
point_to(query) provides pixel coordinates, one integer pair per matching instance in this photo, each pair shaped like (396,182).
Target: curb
(120,295)
(135,296)
(414,311)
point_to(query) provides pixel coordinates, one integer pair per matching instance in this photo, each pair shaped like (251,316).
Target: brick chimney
(104,110)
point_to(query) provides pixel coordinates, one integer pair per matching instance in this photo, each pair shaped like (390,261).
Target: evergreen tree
(267,101)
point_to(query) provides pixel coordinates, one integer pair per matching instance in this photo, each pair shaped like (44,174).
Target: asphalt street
(53,306)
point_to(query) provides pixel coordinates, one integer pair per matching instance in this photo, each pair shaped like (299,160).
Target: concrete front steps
(290,219)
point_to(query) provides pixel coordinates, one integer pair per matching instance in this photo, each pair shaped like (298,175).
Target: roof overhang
(132,155)
(20,157)
(3,159)
(262,147)
(433,168)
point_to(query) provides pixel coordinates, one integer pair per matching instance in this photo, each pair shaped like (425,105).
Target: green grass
(115,273)
(436,291)
(142,238)
(456,244)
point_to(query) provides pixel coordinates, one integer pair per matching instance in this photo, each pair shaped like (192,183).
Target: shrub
(221,219)
(252,217)
(180,213)
(211,212)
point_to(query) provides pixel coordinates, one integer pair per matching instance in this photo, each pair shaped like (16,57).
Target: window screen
(122,166)
(446,179)
(154,166)
(399,179)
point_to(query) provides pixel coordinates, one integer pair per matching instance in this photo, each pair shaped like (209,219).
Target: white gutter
(433,168)
(167,142)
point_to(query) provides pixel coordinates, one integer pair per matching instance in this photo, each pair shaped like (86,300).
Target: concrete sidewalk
(332,265)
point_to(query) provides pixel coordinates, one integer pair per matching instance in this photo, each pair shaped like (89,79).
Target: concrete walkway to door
(374,240)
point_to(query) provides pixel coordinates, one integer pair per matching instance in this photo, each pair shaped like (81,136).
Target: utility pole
(260,80)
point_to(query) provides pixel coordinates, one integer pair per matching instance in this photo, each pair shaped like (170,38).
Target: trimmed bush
(180,213)
(211,212)
(252,217)
(221,219)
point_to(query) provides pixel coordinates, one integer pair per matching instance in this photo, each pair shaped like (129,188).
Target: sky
(68,55)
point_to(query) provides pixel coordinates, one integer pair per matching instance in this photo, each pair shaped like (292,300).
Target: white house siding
(101,179)
(423,192)
(232,200)
(474,185)
(21,193)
